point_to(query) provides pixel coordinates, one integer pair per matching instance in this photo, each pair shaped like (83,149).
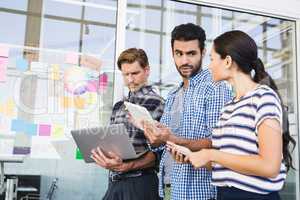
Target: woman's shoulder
(266,92)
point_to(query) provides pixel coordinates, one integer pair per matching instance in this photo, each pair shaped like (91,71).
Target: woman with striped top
(250,155)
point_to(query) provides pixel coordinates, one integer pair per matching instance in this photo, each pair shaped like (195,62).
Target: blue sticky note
(22,64)
(31,129)
(18,125)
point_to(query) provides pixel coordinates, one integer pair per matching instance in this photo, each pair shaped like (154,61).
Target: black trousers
(231,193)
(144,187)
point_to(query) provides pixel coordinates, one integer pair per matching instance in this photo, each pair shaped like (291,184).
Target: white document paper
(139,113)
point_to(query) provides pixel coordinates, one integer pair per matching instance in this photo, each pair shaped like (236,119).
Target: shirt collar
(142,91)
(198,77)
(194,80)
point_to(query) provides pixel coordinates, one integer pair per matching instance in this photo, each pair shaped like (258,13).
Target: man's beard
(195,69)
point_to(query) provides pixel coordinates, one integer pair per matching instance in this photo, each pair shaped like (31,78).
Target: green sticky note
(78,155)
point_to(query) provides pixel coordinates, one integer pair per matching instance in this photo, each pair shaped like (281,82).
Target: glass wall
(49,87)
(275,38)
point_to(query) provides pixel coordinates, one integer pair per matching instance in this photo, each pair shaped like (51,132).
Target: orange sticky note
(66,102)
(79,102)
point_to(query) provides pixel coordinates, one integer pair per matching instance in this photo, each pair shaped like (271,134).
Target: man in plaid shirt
(191,112)
(133,179)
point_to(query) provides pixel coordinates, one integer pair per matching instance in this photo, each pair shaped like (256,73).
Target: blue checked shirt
(202,102)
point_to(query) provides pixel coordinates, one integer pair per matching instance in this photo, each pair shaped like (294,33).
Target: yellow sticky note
(66,102)
(91,98)
(9,109)
(10,104)
(57,131)
(79,102)
(55,75)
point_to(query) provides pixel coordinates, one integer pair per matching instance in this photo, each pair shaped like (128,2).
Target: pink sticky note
(103,82)
(44,130)
(4,51)
(3,67)
(71,58)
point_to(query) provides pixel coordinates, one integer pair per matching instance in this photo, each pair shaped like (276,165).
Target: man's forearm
(144,162)
(193,145)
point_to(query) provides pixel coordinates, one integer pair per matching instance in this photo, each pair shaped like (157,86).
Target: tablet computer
(138,112)
(112,138)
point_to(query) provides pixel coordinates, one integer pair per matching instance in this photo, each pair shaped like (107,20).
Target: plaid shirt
(202,102)
(147,98)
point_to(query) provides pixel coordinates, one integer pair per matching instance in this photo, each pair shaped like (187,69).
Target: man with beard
(190,113)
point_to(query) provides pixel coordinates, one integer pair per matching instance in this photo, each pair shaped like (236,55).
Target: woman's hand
(200,158)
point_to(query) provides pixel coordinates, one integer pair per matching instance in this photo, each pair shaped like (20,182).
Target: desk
(10,186)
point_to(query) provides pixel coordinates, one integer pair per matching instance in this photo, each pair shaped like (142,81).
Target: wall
(287,8)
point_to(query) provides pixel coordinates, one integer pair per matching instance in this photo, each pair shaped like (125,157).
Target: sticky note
(103,79)
(91,62)
(44,130)
(79,102)
(30,129)
(78,155)
(71,58)
(92,98)
(10,103)
(57,131)
(22,144)
(103,82)
(22,64)
(3,67)
(55,73)
(66,102)
(55,67)
(4,51)
(10,110)
(18,125)
(21,150)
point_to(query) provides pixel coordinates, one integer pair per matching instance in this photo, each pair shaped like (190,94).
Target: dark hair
(187,32)
(131,55)
(243,51)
